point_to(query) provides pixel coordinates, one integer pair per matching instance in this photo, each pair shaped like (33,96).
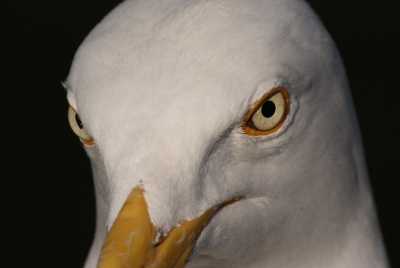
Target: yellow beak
(131,240)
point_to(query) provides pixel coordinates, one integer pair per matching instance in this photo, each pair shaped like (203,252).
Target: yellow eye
(267,114)
(77,126)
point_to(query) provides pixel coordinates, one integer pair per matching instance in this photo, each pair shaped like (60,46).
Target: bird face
(200,119)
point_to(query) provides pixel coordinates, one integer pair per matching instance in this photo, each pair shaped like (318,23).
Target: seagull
(221,133)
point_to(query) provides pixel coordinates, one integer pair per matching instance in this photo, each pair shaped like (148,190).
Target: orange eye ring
(250,128)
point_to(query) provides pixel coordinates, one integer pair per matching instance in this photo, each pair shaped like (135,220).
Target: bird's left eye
(268,114)
(77,126)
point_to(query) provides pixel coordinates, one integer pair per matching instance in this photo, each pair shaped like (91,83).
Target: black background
(47,200)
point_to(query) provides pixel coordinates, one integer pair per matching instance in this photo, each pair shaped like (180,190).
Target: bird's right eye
(77,126)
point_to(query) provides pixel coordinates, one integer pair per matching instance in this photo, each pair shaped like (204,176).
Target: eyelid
(253,132)
(73,109)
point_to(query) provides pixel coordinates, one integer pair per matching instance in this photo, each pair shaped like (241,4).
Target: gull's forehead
(168,47)
(187,61)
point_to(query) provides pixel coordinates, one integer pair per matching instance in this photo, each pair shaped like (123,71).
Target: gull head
(221,134)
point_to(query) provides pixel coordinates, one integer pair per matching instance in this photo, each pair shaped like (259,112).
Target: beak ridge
(130,238)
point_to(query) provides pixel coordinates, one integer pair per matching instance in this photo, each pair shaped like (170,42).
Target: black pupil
(78,121)
(268,109)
